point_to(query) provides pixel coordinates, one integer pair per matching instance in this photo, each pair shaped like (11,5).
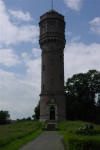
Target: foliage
(36,115)
(73,141)
(4,117)
(84,144)
(24,119)
(88,132)
(19,133)
(80,95)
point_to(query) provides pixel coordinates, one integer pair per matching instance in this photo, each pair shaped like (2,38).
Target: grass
(79,142)
(14,136)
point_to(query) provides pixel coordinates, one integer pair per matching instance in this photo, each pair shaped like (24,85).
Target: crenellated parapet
(52,28)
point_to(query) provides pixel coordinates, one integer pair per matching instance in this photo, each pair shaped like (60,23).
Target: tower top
(52,14)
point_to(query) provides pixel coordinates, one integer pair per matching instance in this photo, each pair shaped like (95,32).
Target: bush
(76,139)
(36,115)
(4,117)
(87,132)
(83,143)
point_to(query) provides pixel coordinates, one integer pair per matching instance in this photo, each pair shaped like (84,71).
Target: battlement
(52,14)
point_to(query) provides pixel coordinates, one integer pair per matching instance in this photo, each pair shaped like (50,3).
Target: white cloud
(34,71)
(25,56)
(19,95)
(8,57)
(95,21)
(80,58)
(20,15)
(36,52)
(15,96)
(95,25)
(27,33)
(11,33)
(75,39)
(74,4)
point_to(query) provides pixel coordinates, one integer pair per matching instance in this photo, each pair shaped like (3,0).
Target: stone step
(50,126)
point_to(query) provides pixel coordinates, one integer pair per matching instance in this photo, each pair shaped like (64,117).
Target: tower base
(52,108)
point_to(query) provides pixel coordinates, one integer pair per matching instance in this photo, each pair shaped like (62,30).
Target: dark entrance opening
(52,113)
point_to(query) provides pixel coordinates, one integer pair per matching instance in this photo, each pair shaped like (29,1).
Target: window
(42,28)
(43,86)
(51,26)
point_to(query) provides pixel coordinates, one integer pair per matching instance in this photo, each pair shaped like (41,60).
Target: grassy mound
(13,136)
(76,141)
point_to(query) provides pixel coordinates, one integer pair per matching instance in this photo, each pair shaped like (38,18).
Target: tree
(4,117)
(80,93)
(36,115)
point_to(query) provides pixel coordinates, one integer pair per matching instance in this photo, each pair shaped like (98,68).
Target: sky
(20,53)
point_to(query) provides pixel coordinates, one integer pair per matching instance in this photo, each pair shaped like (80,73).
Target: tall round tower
(52,42)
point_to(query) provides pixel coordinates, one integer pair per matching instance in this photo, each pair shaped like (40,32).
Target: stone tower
(52,42)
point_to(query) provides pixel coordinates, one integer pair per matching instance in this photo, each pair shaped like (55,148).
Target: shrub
(76,139)
(87,143)
(4,117)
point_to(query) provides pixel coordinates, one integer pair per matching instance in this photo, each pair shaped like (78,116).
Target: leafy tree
(80,93)
(4,117)
(36,115)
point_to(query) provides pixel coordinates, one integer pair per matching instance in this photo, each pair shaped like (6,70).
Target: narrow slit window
(43,86)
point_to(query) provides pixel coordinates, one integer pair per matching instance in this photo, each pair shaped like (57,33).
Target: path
(48,140)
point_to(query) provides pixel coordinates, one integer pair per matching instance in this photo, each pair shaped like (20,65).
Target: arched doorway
(52,113)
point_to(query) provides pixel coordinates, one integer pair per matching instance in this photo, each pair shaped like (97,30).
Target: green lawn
(15,135)
(74,141)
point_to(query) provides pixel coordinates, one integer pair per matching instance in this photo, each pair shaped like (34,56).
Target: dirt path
(49,140)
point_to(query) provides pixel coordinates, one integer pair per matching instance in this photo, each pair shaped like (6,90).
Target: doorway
(52,113)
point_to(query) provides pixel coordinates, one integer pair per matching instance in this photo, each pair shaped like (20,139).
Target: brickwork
(52,42)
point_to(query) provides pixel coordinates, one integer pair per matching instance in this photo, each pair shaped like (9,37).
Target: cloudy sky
(20,54)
